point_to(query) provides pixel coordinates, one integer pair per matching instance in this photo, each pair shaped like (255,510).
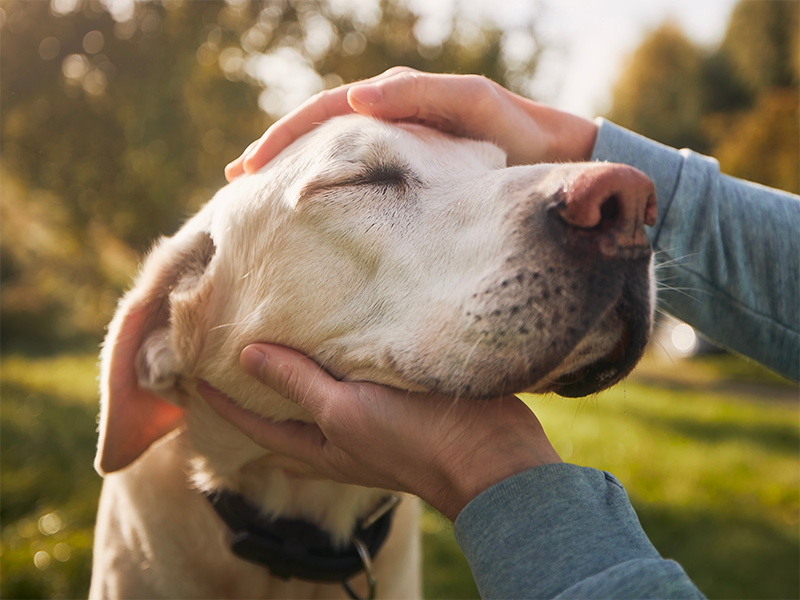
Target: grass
(49,488)
(710,458)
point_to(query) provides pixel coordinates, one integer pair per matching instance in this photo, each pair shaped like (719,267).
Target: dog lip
(601,374)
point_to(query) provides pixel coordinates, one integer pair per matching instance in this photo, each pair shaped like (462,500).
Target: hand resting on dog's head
(529,132)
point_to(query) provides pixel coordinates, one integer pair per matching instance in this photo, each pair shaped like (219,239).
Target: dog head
(394,254)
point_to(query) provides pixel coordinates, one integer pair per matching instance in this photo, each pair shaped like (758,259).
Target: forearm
(563,531)
(727,251)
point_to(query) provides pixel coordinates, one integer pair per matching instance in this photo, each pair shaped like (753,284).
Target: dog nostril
(609,212)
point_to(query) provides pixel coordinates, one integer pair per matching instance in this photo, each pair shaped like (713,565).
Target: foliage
(664,79)
(728,512)
(738,102)
(50,492)
(117,125)
(761,144)
(761,44)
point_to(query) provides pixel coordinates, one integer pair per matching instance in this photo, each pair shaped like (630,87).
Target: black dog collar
(294,548)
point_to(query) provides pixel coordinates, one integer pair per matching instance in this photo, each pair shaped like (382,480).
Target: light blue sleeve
(563,531)
(727,251)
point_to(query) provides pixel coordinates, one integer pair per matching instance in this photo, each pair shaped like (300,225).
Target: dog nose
(609,205)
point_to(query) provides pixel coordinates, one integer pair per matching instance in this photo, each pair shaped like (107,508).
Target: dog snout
(606,207)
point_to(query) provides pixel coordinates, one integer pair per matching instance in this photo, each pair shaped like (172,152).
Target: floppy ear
(141,357)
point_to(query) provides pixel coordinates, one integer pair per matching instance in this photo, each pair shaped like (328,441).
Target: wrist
(566,137)
(571,138)
(467,479)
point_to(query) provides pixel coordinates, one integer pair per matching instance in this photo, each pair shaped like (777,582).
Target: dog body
(157,537)
(388,253)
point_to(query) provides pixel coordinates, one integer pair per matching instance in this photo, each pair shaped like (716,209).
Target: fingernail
(366,94)
(252,360)
(249,150)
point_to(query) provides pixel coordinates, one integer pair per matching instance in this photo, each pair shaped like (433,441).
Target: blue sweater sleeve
(727,251)
(563,531)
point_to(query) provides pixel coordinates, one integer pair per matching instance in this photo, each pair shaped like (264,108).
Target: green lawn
(712,468)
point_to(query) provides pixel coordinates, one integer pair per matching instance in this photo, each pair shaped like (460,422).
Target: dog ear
(140,360)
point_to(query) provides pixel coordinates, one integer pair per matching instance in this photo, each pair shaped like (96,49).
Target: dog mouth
(614,365)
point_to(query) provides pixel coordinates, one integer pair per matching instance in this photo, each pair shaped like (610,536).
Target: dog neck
(222,458)
(298,549)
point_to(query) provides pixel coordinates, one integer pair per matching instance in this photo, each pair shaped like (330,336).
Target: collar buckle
(384,507)
(366,560)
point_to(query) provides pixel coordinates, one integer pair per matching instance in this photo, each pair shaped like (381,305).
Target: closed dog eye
(381,177)
(389,176)
(384,174)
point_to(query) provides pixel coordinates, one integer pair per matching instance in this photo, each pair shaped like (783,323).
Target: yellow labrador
(388,253)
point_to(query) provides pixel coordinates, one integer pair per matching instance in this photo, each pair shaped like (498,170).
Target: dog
(390,253)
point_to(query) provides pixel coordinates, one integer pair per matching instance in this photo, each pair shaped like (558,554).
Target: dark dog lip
(607,371)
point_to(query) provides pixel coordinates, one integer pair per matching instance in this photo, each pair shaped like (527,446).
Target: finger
(310,114)
(435,99)
(293,375)
(236,168)
(295,439)
(300,121)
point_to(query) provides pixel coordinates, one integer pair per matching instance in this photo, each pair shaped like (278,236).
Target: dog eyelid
(384,174)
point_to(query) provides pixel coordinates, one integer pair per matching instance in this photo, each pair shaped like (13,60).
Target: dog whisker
(244,321)
(682,291)
(671,261)
(469,354)
(657,341)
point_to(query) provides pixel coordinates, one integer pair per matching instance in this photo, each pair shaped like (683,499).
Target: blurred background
(117,118)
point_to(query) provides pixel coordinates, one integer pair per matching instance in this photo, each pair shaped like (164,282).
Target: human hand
(445,451)
(464,105)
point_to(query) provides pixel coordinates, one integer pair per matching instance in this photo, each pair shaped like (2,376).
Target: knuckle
(482,87)
(400,70)
(482,92)
(320,97)
(288,381)
(408,77)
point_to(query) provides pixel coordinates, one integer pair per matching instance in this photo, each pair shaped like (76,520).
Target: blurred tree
(762,144)
(118,117)
(761,43)
(660,93)
(738,102)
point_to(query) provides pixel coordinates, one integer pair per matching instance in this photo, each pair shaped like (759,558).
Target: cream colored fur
(393,254)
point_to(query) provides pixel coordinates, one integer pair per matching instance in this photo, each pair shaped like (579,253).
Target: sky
(587,41)
(596,37)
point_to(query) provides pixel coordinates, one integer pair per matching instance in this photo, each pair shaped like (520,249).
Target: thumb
(291,374)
